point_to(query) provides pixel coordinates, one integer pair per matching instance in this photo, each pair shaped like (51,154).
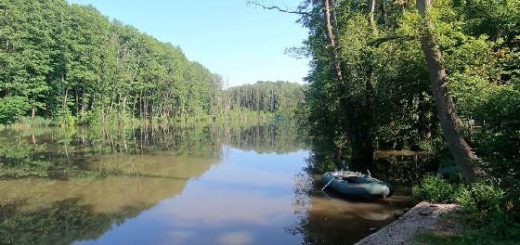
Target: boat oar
(326,185)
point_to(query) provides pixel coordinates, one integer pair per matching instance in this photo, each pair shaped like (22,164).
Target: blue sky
(237,40)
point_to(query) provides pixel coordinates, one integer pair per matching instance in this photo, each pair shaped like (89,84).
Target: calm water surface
(191,185)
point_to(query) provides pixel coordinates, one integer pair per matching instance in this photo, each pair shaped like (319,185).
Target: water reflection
(58,186)
(62,222)
(245,199)
(184,185)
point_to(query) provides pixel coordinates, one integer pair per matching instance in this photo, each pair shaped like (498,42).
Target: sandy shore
(424,217)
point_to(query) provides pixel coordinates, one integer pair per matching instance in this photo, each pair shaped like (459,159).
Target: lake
(173,185)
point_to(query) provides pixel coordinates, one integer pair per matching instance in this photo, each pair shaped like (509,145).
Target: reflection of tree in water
(74,181)
(281,137)
(61,153)
(62,223)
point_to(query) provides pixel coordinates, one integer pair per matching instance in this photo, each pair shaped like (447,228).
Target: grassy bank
(489,215)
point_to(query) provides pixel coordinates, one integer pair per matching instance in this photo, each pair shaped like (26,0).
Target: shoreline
(422,218)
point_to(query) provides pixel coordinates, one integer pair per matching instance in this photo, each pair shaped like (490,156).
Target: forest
(278,97)
(71,64)
(433,77)
(437,76)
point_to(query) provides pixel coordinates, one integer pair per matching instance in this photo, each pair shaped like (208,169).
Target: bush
(89,118)
(12,107)
(436,189)
(481,199)
(487,211)
(64,117)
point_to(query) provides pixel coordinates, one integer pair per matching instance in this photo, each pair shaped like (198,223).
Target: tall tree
(450,123)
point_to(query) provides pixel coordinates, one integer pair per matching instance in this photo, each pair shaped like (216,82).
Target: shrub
(64,117)
(436,189)
(487,211)
(12,107)
(481,201)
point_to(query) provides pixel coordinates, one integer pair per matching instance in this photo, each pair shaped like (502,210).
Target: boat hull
(366,188)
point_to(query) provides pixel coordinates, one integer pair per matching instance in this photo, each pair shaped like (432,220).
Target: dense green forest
(385,98)
(70,63)
(440,76)
(278,97)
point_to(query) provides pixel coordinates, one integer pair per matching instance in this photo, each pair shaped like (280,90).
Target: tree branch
(274,7)
(382,40)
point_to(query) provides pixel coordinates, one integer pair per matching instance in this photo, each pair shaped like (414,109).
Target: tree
(450,122)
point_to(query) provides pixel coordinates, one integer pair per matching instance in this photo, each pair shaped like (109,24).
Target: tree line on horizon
(70,63)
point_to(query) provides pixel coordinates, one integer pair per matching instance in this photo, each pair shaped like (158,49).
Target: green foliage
(490,213)
(64,117)
(482,200)
(436,189)
(34,122)
(500,137)
(385,100)
(12,107)
(71,64)
(278,97)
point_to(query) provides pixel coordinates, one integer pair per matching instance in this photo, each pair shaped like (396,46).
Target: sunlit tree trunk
(450,122)
(331,38)
(372,14)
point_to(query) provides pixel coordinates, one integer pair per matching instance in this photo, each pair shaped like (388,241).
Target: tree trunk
(372,15)
(66,91)
(331,38)
(83,105)
(450,122)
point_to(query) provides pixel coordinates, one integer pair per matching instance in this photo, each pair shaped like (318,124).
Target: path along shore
(424,217)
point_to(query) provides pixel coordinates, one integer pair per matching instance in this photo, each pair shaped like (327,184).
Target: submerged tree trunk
(450,123)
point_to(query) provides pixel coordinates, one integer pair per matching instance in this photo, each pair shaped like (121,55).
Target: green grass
(486,216)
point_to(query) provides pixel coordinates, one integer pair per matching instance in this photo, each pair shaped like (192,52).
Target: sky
(242,42)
